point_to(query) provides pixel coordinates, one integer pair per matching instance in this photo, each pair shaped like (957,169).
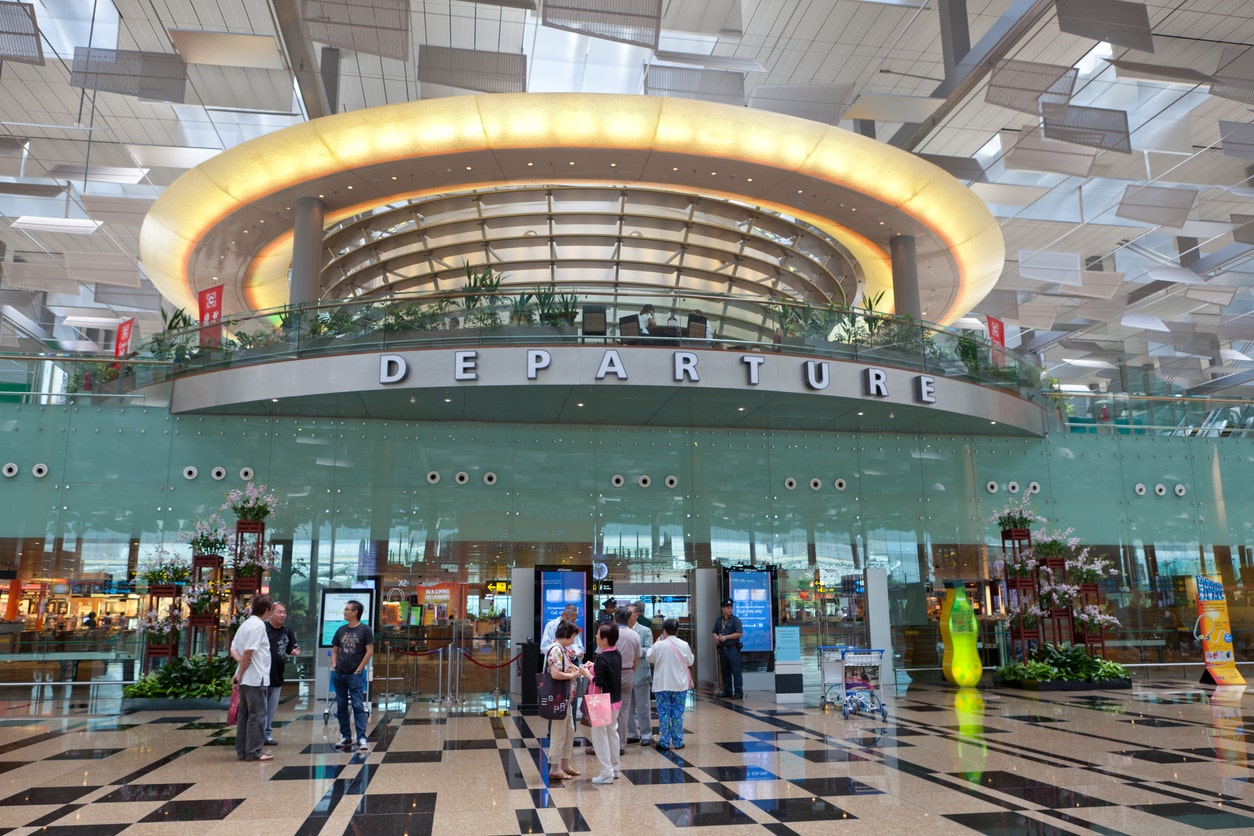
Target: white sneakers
(362,745)
(604,778)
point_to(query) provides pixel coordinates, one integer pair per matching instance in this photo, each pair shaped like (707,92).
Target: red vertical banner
(122,342)
(997,336)
(210,316)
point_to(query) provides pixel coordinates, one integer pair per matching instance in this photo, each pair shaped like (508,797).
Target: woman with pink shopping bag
(606,679)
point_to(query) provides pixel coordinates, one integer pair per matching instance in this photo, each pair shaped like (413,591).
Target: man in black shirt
(351,650)
(727,633)
(282,645)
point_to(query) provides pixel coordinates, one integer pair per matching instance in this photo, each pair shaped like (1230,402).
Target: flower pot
(206,561)
(1016,534)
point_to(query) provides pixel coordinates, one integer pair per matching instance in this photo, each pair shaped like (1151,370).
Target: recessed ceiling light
(350,188)
(748,179)
(740,409)
(579,404)
(530,164)
(468,168)
(572,162)
(613,165)
(859,413)
(448,400)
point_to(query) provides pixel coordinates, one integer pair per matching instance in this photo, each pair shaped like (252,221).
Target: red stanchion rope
(505,664)
(400,652)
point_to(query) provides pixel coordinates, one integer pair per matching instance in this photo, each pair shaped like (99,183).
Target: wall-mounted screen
(558,587)
(331,616)
(662,607)
(751,594)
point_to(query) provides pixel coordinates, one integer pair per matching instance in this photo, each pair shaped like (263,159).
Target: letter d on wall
(392,368)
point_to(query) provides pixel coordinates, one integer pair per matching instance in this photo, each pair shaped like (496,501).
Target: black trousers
(729,663)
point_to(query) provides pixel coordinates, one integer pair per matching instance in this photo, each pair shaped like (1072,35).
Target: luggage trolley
(862,681)
(832,669)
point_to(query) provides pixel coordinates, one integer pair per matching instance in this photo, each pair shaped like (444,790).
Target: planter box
(129,706)
(165,590)
(1064,685)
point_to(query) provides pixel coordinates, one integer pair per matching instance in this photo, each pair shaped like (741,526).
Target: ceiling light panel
(1157,205)
(226,49)
(637,22)
(1029,149)
(375,27)
(1113,21)
(1095,127)
(159,76)
(69,226)
(1030,87)
(688,83)
(473,69)
(19,34)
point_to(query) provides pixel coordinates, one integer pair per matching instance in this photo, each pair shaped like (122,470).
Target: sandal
(560,776)
(571,771)
(266,757)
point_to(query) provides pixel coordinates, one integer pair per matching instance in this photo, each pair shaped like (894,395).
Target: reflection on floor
(1165,757)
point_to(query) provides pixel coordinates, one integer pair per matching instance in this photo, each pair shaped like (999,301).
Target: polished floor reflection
(1167,757)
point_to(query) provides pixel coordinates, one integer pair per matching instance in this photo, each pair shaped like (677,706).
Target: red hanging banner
(210,316)
(997,336)
(122,342)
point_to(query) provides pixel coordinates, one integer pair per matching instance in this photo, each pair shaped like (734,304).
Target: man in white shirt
(571,614)
(251,648)
(640,719)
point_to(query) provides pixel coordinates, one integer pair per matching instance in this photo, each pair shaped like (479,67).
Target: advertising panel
(331,616)
(559,587)
(210,300)
(1214,629)
(751,594)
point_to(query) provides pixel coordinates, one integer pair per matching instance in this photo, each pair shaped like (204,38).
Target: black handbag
(553,695)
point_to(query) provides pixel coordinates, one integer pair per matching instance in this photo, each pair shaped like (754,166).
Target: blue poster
(557,589)
(751,596)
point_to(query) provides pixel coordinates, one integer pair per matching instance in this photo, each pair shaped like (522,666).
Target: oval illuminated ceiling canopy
(229,220)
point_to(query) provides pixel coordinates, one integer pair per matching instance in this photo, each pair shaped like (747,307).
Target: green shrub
(1066,662)
(194,677)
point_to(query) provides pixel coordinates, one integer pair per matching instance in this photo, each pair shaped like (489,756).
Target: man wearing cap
(727,633)
(606,615)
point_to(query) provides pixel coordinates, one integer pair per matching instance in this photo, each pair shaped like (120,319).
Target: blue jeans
(349,687)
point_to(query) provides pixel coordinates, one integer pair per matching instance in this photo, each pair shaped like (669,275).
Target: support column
(955,34)
(905,278)
(866,127)
(306,250)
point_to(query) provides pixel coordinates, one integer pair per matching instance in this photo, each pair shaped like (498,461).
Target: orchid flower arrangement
(253,503)
(208,536)
(164,567)
(1092,618)
(1016,514)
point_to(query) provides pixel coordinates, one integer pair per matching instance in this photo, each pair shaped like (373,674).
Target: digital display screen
(661,607)
(332,616)
(559,588)
(751,594)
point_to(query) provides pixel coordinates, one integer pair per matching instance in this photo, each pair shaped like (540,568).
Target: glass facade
(359,499)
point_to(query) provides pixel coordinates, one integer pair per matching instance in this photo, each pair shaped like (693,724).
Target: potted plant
(482,289)
(160,630)
(252,563)
(1016,519)
(204,599)
(194,682)
(1063,667)
(252,504)
(163,571)
(209,536)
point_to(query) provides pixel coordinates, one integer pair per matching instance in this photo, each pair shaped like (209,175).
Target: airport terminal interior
(922,332)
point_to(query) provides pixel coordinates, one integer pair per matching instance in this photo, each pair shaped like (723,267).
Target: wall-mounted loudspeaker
(1034,487)
(1160,490)
(190,472)
(617,480)
(1013,487)
(840,484)
(991,487)
(644,481)
(790,483)
(462,477)
(39,471)
(672,481)
(1139,489)
(815,484)
(246,473)
(218,473)
(489,478)
(1181,490)
(10,470)
(433,477)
